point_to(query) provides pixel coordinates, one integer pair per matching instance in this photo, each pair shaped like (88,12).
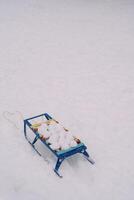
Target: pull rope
(8,116)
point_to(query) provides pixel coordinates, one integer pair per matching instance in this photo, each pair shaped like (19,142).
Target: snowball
(42,128)
(53,139)
(73,143)
(52,128)
(64,145)
(55,146)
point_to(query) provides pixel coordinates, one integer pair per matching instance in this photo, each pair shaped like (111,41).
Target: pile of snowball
(57,136)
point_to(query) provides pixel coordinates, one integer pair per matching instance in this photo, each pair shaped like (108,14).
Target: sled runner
(44,128)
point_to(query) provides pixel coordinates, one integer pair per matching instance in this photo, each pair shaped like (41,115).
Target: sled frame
(61,155)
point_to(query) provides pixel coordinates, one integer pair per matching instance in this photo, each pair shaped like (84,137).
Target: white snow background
(74,60)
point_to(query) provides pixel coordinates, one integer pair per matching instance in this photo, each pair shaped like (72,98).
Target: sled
(61,154)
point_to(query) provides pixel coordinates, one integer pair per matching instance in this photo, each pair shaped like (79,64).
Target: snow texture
(74,60)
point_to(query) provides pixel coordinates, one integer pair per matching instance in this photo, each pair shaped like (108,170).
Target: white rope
(9,117)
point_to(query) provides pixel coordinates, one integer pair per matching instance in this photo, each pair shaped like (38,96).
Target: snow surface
(74,60)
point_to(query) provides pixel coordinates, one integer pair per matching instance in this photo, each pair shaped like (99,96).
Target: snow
(55,134)
(74,60)
(59,138)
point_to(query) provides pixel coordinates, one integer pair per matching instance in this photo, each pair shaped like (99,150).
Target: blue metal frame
(61,155)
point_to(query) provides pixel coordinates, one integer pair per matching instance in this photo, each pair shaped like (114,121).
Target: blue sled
(61,154)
